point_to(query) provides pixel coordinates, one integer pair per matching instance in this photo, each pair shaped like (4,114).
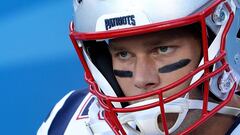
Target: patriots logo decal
(120,21)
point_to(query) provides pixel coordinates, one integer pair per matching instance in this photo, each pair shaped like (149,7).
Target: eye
(124,55)
(165,49)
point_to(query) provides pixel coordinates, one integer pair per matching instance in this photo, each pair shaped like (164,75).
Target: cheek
(115,64)
(121,65)
(126,87)
(171,78)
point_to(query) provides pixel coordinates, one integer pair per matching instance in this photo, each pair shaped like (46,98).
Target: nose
(146,76)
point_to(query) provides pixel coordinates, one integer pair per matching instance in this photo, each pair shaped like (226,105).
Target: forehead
(163,37)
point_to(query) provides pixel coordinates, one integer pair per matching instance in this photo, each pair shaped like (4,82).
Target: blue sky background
(38,64)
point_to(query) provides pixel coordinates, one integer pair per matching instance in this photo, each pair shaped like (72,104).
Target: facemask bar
(106,101)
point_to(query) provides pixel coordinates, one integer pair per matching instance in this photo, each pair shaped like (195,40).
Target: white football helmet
(98,21)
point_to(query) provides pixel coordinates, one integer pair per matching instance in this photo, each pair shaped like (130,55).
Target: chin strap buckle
(226,82)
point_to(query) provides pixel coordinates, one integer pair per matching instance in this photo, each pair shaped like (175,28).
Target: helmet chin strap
(146,122)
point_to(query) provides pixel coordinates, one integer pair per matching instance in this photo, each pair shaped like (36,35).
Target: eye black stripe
(121,73)
(174,66)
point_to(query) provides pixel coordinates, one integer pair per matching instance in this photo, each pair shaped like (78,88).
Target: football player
(154,67)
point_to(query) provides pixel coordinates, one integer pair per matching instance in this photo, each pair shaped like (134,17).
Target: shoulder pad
(62,113)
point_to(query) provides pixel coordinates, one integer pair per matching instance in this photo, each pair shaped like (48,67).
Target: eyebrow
(117,48)
(154,42)
(150,42)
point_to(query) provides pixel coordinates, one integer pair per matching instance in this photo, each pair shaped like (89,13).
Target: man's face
(148,62)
